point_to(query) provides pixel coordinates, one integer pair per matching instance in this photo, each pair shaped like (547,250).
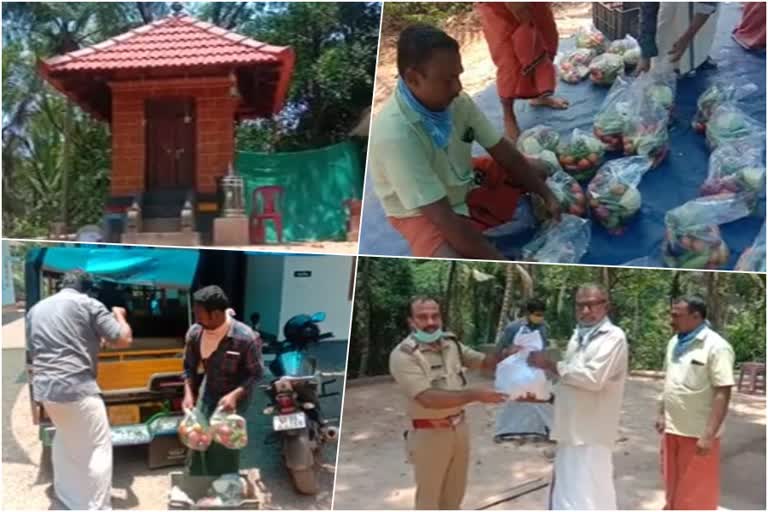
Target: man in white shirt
(588,401)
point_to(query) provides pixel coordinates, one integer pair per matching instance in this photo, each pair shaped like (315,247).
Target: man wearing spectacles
(588,400)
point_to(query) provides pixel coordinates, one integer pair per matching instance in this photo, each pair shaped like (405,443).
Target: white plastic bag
(515,378)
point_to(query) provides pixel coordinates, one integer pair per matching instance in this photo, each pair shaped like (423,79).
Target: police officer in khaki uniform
(429,366)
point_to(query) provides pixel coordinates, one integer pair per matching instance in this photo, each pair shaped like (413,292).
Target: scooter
(297,419)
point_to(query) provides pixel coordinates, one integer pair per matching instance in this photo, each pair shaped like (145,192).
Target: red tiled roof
(168,43)
(173,46)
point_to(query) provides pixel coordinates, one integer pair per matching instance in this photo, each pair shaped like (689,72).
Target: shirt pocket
(696,376)
(230,362)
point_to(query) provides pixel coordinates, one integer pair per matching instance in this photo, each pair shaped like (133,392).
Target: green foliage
(472,307)
(398,15)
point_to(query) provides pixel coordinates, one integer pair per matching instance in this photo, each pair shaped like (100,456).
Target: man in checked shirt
(222,362)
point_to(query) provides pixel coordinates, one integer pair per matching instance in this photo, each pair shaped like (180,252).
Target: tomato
(567,160)
(594,158)
(584,164)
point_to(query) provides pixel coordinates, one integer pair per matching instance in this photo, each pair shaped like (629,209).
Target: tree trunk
(674,290)
(561,298)
(449,292)
(66,167)
(362,316)
(506,302)
(714,304)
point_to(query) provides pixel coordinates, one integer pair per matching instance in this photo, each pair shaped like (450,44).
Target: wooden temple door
(170,143)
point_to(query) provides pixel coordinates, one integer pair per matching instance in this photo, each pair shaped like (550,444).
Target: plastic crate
(197,486)
(617,19)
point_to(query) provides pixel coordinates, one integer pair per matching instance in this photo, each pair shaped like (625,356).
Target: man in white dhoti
(64,334)
(588,399)
(678,32)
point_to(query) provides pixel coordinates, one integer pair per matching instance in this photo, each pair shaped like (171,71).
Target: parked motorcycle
(297,418)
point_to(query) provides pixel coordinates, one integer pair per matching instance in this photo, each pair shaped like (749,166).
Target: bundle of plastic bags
(533,141)
(730,125)
(629,50)
(560,242)
(753,257)
(519,380)
(737,168)
(610,119)
(568,193)
(715,95)
(581,155)
(693,239)
(613,194)
(604,69)
(229,430)
(591,39)
(645,131)
(573,66)
(194,431)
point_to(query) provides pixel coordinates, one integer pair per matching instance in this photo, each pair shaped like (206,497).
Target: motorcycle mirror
(318,317)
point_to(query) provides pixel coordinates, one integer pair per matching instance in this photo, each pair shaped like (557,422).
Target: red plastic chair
(268,197)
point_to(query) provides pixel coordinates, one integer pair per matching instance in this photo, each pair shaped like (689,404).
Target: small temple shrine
(172,92)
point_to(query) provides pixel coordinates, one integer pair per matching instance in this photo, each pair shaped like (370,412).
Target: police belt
(449,422)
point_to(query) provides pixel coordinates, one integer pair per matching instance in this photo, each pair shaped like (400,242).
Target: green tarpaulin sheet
(315,185)
(166,268)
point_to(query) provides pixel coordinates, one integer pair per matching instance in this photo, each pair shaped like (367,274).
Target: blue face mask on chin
(427,337)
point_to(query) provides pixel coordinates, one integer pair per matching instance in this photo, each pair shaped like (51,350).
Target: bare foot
(554,102)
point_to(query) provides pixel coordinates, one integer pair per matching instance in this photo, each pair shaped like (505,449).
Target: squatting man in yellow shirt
(440,199)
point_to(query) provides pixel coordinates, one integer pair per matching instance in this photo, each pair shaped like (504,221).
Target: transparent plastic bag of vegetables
(560,242)
(605,68)
(610,119)
(692,238)
(229,430)
(736,168)
(718,94)
(729,125)
(194,431)
(569,193)
(645,131)
(591,39)
(753,257)
(573,66)
(613,194)
(656,87)
(581,155)
(629,50)
(540,138)
(548,161)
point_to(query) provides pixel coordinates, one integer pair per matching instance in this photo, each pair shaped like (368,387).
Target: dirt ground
(372,473)
(27,487)
(479,70)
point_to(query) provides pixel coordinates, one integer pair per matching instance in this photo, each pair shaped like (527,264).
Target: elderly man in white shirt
(588,401)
